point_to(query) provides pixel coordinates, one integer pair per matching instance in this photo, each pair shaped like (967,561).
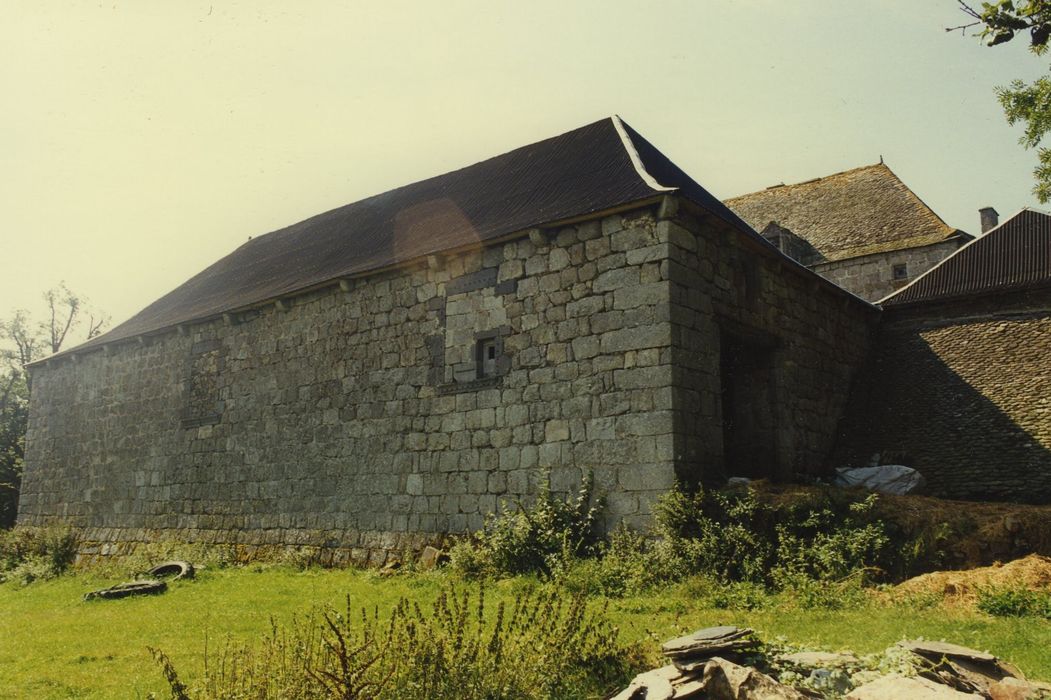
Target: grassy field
(54,645)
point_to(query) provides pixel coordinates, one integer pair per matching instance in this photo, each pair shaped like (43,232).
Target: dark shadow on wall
(910,407)
(747,395)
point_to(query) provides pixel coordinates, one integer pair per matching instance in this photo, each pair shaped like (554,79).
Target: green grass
(54,645)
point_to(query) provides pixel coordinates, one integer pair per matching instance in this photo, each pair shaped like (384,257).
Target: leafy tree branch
(1025,104)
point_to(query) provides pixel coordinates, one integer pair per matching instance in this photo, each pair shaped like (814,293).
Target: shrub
(1014,602)
(28,554)
(742,595)
(736,537)
(826,545)
(624,565)
(809,593)
(729,537)
(540,538)
(542,646)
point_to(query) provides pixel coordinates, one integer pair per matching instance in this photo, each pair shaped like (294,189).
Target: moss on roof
(856,212)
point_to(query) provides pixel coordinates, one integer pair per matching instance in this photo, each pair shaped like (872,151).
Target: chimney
(989,218)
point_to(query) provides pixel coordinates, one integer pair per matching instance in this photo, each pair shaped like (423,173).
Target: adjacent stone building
(387,371)
(862,229)
(959,384)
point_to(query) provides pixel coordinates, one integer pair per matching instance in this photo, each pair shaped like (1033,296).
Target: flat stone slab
(1018,689)
(895,687)
(937,650)
(724,680)
(818,659)
(651,685)
(708,641)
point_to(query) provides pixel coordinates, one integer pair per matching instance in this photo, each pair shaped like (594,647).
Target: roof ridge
(636,161)
(814,180)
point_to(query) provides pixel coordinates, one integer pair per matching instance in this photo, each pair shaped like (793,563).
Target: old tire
(173,569)
(123,590)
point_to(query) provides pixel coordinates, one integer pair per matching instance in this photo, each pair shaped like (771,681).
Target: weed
(743,595)
(544,645)
(811,594)
(735,537)
(1014,602)
(540,538)
(29,554)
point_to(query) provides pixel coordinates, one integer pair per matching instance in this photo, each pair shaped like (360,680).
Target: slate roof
(1016,255)
(586,171)
(856,212)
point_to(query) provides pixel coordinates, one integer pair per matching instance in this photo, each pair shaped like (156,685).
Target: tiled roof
(857,212)
(1016,255)
(592,169)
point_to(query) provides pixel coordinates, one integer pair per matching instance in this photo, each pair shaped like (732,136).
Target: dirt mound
(1032,572)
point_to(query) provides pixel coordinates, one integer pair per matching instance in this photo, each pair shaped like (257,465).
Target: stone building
(387,371)
(862,229)
(959,384)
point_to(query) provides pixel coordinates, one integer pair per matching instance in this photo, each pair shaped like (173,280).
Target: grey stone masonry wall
(871,277)
(365,420)
(380,416)
(960,390)
(783,344)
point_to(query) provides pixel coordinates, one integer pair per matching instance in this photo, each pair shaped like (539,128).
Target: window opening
(486,357)
(900,271)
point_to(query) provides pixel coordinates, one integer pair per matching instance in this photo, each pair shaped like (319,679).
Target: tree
(1028,104)
(22,341)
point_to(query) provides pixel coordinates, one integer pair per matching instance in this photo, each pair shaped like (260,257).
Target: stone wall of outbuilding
(872,278)
(365,420)
(808,340)
(961,391)
(357,420)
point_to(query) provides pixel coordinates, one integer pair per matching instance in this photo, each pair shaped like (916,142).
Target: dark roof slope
(857,212)
(585,171)
(1013,256)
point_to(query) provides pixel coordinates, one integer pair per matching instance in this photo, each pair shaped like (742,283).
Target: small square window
(485,356)
(900,271)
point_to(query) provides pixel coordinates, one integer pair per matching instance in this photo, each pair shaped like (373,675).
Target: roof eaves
(100,342)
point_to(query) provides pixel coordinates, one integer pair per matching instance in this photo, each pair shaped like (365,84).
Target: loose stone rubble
(729,663)
(698,670)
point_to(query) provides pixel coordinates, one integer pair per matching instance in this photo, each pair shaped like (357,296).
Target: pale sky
(141,141)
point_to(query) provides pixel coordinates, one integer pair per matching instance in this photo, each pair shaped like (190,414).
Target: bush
(729,537)
(28,554)
(1014,602)
(544,646)
(541,538)
(624,565)
(809,593)
(739,596)
(736,537)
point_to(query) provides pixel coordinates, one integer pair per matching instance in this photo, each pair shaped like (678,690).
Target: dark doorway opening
(748,406)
